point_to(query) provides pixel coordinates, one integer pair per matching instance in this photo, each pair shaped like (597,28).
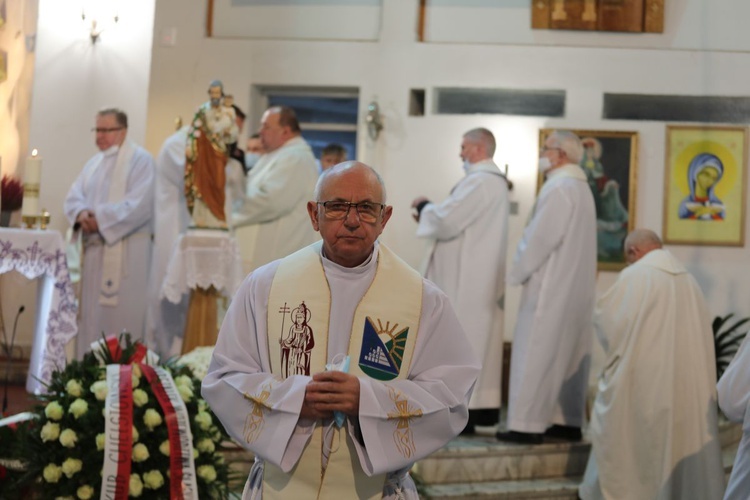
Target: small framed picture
(610,161)
(705,184)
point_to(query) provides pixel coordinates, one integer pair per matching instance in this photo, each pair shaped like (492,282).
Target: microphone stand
(8,352)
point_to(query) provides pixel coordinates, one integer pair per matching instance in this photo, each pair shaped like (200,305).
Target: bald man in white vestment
(469,235)
(165,322)
(322,424)
(556,264)
(111,205)
(654,430)
(734,401)
(270,221)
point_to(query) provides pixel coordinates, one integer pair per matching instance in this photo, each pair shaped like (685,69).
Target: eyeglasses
(106,130)
(545,149)
(366,210)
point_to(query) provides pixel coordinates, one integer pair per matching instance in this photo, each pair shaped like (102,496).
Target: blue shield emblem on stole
(379,360)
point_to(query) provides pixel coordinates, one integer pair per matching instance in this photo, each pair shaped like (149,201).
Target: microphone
(8,353)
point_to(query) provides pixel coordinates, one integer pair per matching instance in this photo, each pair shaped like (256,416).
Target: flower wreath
(83,414)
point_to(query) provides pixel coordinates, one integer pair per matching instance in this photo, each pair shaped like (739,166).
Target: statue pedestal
(206,264)
(201,327)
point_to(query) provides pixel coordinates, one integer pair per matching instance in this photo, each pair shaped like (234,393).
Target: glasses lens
(336,209)
(368,212)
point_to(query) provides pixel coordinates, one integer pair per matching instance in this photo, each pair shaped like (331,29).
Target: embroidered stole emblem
(382,341)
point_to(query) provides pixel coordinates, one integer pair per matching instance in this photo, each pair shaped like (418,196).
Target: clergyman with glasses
(387,374)
(110,206)
(555,262)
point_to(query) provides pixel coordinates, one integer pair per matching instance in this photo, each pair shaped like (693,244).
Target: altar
(40,254)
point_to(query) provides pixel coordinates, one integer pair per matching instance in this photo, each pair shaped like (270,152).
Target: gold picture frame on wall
(610,162)
(705,185)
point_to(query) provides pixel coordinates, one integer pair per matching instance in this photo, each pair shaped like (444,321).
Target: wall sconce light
(374,121)
(100,19)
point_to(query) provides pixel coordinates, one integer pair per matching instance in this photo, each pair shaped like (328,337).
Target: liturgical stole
(381,346)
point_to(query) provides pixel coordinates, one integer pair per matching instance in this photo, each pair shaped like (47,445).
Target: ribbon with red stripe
(182,476)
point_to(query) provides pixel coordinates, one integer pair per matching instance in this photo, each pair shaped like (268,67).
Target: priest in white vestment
(270,221)
(654,430)
(110,205)
(469,235)
(556,264)
(321,424)
(734,401)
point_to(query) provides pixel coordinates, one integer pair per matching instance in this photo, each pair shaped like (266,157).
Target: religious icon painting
(381,359)
(610,162)
(704,185)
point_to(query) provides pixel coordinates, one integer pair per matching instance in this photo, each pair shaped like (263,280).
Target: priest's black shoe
(520,437)
(469,430)
(565,432)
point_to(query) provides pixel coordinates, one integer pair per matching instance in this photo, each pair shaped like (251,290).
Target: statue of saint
(212,130)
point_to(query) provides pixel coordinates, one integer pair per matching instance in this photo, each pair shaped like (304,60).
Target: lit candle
(32,175)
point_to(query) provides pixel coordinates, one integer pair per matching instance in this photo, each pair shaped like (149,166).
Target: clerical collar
(364,267)
(113,150)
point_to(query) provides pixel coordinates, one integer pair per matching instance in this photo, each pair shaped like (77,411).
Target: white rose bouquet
(63,448)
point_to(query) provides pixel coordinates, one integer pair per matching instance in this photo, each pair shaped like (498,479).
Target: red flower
(12,194)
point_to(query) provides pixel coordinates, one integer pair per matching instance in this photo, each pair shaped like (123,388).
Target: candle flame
(34,152)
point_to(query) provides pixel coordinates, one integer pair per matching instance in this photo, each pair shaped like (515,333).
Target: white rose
(183,380)
(203,419)
(78,408)
(54,411)
(85,492)
(153,479)
(140,397)
(52,473)
(152,418)
(207,472)
(135,486)
(73,387)
(70,466)
(164,448)
(101,439)
(68,438)
(50,432)
(136,375)
(186,392)
(140,453)
(100,390)
(205,445)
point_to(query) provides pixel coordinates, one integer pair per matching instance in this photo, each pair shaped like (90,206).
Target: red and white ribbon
(183,481)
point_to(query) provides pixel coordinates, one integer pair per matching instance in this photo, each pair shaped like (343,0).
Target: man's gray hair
(342,167)
(120,116)
(569,143)
(484,137)
(642,238)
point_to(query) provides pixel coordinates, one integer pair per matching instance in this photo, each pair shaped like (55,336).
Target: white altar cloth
(41,254)
(203,258)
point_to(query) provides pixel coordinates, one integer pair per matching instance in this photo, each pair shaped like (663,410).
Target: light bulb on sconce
(374,121)
(101,17)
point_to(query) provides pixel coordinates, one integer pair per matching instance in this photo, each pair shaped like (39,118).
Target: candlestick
(32,175)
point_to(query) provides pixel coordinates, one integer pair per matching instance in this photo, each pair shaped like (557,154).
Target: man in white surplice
(467,261)
(111,205)
(336,434)
(270,221)
(556,264)
(734,401)
(654,430)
